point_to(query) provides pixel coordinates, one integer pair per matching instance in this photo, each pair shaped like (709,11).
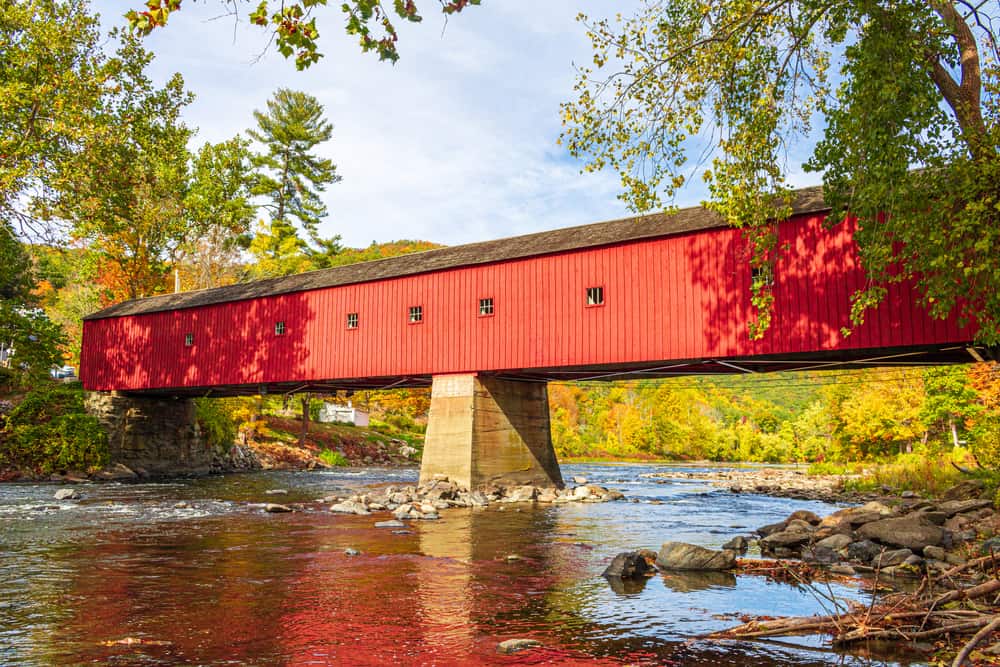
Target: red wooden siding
(675,298)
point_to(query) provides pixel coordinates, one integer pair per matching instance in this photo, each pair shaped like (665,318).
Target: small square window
(762,275)
(486,307)
(188,339)
(352,320)
(595,296)
(416,314)
(279,328)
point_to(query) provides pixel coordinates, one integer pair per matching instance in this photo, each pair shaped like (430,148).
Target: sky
(455,143)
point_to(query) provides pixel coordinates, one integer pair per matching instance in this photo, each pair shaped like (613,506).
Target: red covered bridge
(652,296)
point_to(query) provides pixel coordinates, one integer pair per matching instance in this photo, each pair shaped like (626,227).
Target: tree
(290,177)
(293,27)
(50,79)
(219,212)
(28,339)
(910,97)
(124,191)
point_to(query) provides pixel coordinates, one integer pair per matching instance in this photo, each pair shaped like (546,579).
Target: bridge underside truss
(821,361)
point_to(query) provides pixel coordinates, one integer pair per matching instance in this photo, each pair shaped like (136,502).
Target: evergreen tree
(290,176)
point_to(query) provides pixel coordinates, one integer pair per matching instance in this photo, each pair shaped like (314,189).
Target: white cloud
(455,143)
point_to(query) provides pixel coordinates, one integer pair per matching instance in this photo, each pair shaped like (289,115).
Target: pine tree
(291,177)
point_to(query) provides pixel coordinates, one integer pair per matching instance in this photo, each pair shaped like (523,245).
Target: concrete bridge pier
(483,430)
(152,436)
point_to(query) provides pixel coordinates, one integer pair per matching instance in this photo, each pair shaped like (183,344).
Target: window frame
(417,311)
(487,302)
(600,292)
(189,339)
(352,321)
(280,329)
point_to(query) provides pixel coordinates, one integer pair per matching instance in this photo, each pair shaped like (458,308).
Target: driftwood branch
(977,639)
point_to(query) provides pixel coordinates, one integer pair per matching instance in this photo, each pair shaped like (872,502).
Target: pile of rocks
(427,500)
(907,538)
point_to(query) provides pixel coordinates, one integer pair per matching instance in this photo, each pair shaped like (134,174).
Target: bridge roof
(625,230)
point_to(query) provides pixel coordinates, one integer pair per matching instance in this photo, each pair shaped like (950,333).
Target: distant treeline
(835,416)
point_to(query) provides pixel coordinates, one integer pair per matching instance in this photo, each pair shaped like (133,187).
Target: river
(193,571)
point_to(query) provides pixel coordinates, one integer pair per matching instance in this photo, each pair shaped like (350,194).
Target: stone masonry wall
(152,436)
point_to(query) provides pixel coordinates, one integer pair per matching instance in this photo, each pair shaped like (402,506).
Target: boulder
(275,508)
(681,556)
(350,507)
(391,523)
(934,553)
(522,494)
(990,546)
(579,480)
(936,517)
(953,507)
(785,538)
(276,492)
(514,645)
(581,492)
(770,528)
(864,551)
(66,494)
(628,565)
(911,532)
(799,526)
(835,542)
(965,490)
(117,472)
(821,555)
(890,558)
(804,515)
(738,543)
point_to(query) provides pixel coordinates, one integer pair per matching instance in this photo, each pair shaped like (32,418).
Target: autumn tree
(123,192)
(907,96)
(293,26)
(290,178)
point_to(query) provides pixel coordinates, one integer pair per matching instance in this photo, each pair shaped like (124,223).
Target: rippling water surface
(126,577)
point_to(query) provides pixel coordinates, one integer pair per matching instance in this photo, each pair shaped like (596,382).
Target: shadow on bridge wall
(816,273)
(232,344)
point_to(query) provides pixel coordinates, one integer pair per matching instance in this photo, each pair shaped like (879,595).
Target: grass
(924,473)
(333,458)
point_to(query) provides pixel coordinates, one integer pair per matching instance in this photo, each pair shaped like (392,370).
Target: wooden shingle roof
(625,230)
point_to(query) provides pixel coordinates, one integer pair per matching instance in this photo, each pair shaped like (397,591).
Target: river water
(126,577)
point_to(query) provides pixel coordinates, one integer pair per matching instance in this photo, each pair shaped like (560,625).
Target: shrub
(333,458)
(49,431)
(216,423)
(920,471)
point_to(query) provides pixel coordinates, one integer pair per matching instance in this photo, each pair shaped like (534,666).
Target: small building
(345,414)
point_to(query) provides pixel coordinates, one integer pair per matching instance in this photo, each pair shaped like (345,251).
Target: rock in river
(275,508)
(681,556)
(350,507)
(628,565)
(911,532)
(515,645)
(66,494)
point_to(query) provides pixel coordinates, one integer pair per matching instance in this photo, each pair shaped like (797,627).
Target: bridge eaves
(626,230)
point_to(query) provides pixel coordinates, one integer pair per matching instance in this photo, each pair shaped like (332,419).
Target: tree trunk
(305,419)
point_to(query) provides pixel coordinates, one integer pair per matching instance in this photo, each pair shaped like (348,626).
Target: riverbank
(779,481)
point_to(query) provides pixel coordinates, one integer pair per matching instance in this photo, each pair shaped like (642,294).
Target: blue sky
(453,144)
